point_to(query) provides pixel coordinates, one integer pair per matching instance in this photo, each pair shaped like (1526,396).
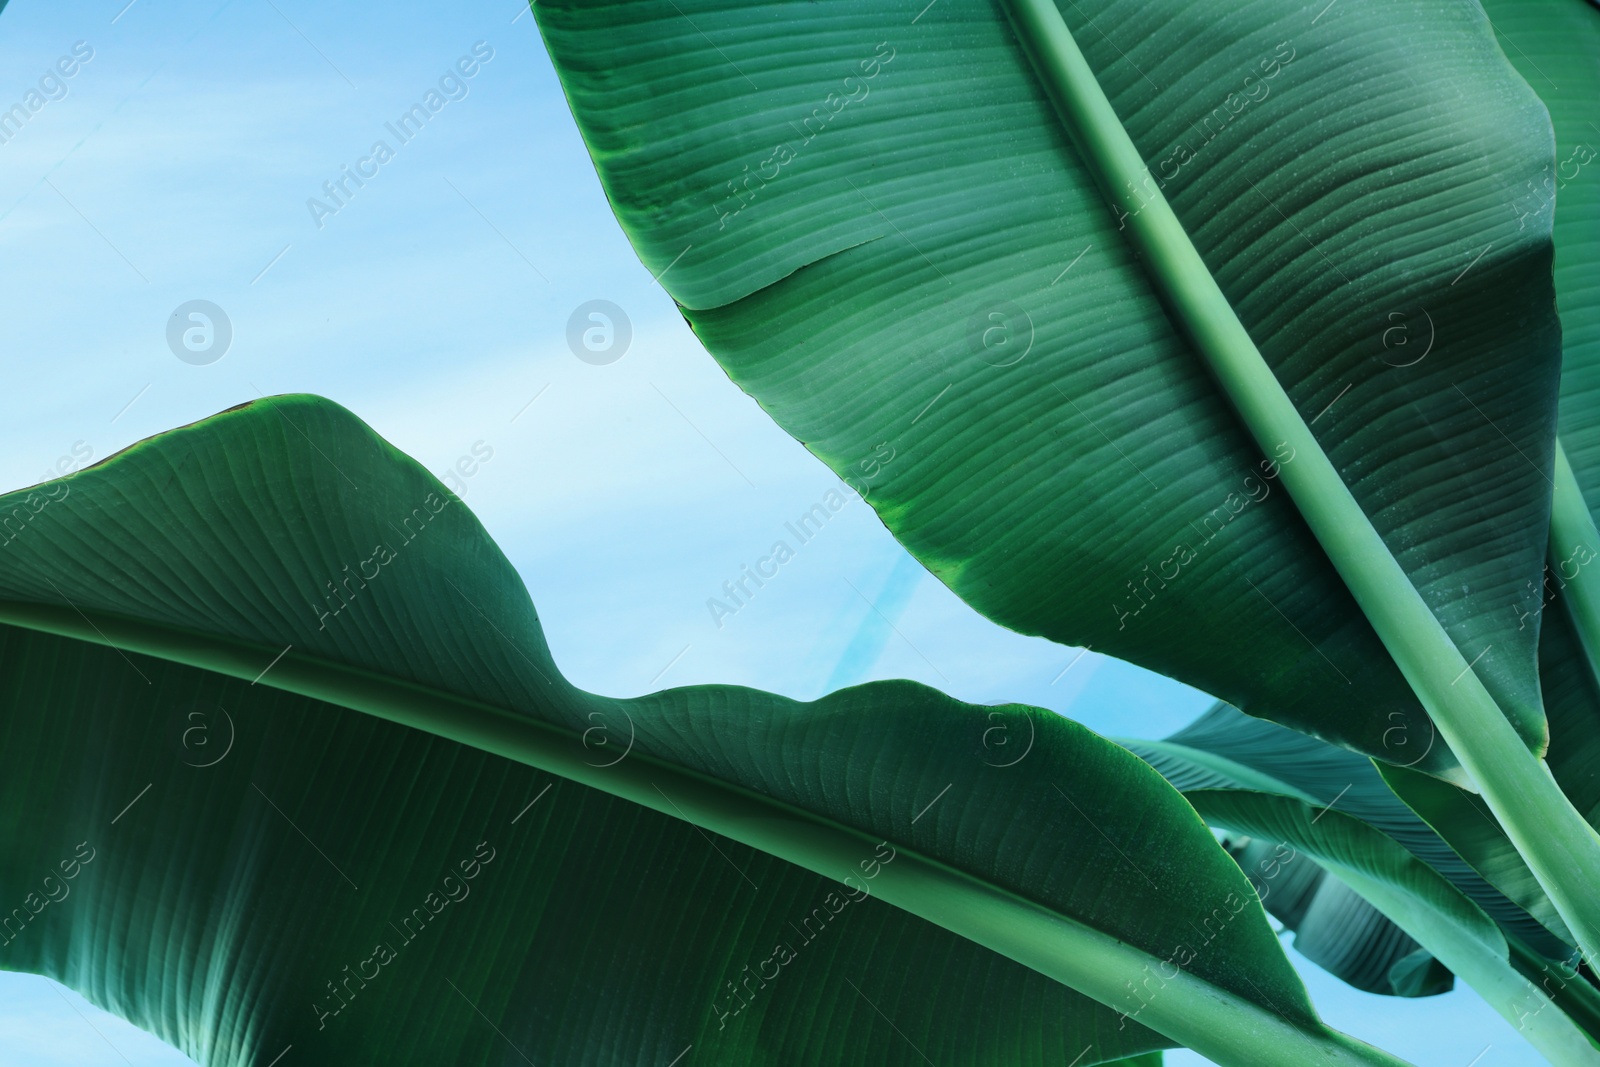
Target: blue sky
(435,304)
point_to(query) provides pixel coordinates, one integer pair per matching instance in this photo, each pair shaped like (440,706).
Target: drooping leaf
(280,559)
(1225,749)
(1414,897)
(1420,975)
(875,223)
(1339,931)
(1277,778)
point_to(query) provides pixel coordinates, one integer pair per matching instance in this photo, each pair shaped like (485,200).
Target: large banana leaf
(198,838)
(1555,44)
(874,221)
(599,932)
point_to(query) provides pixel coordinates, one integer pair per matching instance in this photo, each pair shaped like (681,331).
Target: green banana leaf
(1414,897)
(1462,819)
(221,828)
(1555,44)
(1572,700)
(1256,778)
(1338,930)
(1227,749)
(874,221)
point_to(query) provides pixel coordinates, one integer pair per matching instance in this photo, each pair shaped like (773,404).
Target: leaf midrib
(1560,846)
(1192,1011)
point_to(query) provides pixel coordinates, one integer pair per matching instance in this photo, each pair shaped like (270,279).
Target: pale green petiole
(1560,847)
